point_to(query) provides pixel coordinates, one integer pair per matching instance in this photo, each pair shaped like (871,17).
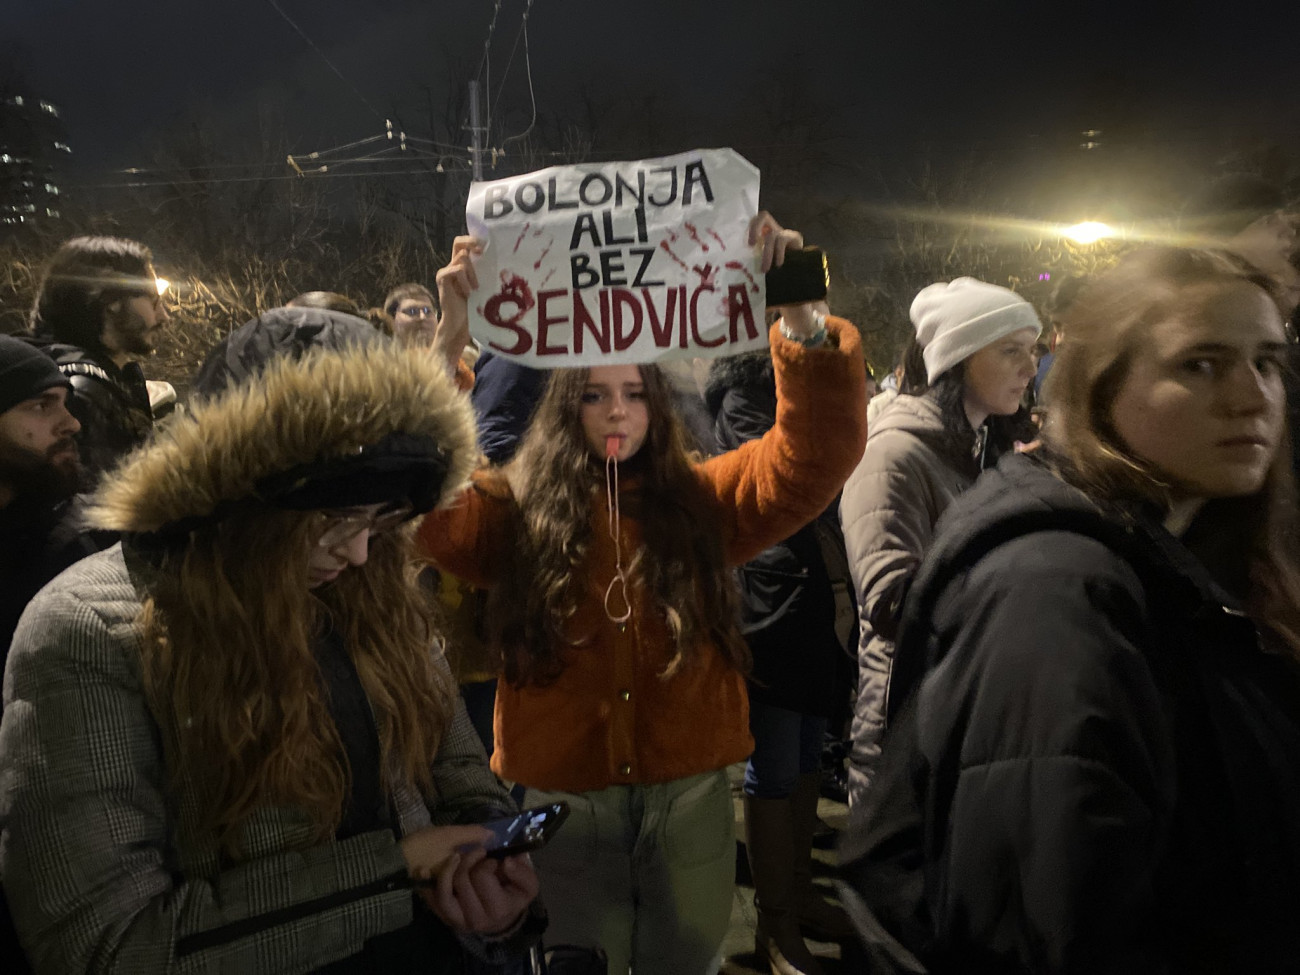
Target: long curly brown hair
(556,480)
(230,626)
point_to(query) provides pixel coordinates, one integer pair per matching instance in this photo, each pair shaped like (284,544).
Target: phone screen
(529,830)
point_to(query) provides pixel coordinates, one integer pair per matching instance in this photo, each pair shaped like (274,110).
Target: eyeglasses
(338,528)
(419,311)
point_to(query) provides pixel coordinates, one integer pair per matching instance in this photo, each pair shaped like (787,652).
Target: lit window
(18,100)
(52,189)
(63,146)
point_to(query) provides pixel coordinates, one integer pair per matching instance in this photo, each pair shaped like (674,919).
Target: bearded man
(99,309)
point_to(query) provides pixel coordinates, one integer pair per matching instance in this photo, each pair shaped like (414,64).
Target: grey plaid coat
(103,863)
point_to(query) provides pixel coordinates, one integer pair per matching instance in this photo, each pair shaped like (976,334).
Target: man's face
(37,449)
(414,322)
(132,325)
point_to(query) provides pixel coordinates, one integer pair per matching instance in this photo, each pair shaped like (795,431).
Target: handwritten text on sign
(619,262)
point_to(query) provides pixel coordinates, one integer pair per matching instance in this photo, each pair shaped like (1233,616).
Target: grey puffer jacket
(888,511)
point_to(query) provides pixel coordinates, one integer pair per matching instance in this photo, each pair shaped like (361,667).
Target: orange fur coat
(611,718)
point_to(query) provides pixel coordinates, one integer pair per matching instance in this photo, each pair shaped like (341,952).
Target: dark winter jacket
(505,395)
(788,605)
(110,402)
(1104,763)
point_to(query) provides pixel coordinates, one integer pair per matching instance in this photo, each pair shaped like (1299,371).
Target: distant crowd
(285,656)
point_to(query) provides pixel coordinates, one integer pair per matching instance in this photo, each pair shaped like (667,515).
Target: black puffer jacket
(110,403)
(788,606)
(1103,763)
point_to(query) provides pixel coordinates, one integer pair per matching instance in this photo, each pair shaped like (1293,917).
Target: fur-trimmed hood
(324,406)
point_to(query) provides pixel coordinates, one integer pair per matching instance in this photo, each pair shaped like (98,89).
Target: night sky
(893,76)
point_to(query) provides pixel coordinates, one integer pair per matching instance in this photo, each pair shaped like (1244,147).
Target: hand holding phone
(529,830)
(802,277)
(479,895)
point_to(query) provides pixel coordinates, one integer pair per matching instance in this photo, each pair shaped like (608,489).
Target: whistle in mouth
(611,445)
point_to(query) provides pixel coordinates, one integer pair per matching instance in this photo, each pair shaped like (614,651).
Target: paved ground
(739,950)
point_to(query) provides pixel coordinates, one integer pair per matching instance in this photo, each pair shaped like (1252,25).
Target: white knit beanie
(955,320)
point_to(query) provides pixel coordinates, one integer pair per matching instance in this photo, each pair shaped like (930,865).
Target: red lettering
(663,334)
(543,326)
(682,317)
(695,321)
(625,299)
(582,321)
(738,307)
(514,291)
(545,321)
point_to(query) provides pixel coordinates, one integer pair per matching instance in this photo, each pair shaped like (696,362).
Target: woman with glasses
(232,743)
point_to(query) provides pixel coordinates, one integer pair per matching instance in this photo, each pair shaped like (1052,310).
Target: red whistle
(612,443)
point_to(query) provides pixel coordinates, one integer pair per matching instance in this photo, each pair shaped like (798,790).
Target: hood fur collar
(323,406)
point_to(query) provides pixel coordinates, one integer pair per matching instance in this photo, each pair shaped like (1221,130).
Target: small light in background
(1045,276)
(1088,232)
(162,284)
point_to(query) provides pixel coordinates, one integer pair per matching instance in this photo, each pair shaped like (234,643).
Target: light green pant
(645,872)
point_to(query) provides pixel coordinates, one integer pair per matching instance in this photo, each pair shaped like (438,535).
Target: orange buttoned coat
(611,718)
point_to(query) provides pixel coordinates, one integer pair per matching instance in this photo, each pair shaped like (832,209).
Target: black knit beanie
(25,372)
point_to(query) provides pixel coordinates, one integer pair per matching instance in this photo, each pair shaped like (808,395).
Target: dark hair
(330,300)
(84,277)
(914,375)
(404,291)
(1065,293)
(960,438)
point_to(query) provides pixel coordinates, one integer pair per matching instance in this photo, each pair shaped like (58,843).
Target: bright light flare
(162,284)
(1088,232)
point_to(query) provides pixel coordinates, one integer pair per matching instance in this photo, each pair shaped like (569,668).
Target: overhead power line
(333,67)
(523,29)
(457,164)
(486,60)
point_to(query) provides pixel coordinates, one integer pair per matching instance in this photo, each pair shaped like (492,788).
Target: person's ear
(111,314)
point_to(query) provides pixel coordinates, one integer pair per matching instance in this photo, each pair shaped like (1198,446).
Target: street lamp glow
(162,284)
(1088,232)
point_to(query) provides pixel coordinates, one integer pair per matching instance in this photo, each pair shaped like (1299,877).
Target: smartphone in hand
(529,830)
(803,277)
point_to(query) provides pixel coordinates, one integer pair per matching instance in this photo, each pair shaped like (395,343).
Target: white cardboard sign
(620,262)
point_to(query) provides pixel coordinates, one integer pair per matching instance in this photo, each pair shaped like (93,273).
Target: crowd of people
(277,653)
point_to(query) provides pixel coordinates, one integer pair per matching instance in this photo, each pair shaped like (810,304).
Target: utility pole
(478,132)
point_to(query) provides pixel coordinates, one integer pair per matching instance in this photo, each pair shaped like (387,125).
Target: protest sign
(621,262)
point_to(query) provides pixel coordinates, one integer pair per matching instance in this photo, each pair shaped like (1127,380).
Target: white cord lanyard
(611,496)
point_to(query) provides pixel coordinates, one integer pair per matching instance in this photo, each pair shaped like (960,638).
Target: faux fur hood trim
(322,406)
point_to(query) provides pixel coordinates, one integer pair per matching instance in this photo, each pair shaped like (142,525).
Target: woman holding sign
(607,552)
